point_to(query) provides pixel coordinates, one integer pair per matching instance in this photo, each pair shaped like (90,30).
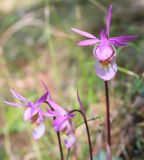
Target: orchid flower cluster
(35,114)
(106,68)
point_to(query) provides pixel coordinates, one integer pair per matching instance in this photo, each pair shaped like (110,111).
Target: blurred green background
(36,43)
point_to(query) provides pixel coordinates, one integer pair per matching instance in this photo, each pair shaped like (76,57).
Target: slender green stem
(68,154)
(87,129)
(91,119)
(108,125)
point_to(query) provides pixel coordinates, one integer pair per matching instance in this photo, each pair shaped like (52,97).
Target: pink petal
(18,96)
(27,114)
(103,51)
(86,34)
(118,44)
(103,37)
(106,73)
(70,141)
(42,99)
(38,131)
(53,113)
(69,127)
(14,104)
(88,42)
(56,107)
(108,20)
(47,114)
(123,38)
(59,123)
(65,125)
(46,88)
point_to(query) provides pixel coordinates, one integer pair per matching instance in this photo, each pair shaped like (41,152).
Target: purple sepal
(80,103)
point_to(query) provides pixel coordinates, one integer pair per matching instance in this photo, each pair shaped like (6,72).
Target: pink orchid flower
(104,50)
(32,113)
(62,121)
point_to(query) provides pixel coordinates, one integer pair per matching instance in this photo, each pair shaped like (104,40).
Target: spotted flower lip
(104,48)
(32,113)
(106,71)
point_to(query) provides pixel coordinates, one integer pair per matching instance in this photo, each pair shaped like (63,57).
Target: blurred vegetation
(36,44)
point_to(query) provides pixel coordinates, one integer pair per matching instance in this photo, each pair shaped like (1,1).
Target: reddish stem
(87,129)
(58,136)
(108,125)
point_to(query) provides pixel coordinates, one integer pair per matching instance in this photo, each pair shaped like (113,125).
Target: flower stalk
(108,125)
(87,130)
(60,145)
(58,136)
(68,154)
